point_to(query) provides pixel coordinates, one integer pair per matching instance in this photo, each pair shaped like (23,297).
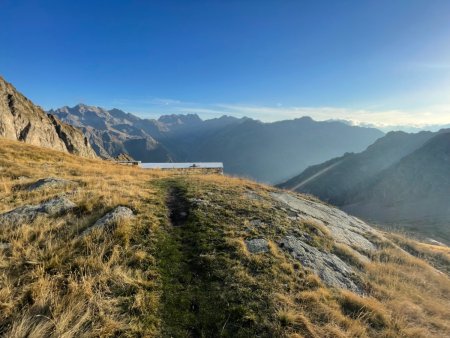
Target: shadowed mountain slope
(414,192)
(402,179)
(271,152)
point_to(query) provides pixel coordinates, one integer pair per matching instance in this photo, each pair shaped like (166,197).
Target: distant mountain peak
(84,107)
(180,119)
(306,118)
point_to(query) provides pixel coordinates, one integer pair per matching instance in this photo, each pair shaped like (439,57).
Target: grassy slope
(150,278)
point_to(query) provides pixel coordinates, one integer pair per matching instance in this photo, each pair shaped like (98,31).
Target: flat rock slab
(49,182)
(111,219)
(251,195)
(257,245)
(343,227)
(28,213)
(330,268)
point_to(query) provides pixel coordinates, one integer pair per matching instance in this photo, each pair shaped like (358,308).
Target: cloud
(145,102)
(162,101)
(433,115)
(376,116)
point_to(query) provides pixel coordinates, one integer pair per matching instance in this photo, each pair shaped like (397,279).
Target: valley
(266,152)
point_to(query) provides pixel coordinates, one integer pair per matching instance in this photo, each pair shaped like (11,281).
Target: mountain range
(402,179)
(268,152)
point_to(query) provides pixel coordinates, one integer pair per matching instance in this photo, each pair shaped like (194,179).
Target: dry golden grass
(437,255)
(57,283)
(145,278)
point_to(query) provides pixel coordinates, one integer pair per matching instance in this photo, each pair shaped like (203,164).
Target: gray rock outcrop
(330,268)
(343,228)
(27,213)
(110,220)
(49,182)
(257,245)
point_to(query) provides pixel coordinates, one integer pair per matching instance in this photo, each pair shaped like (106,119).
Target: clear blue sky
(366,60)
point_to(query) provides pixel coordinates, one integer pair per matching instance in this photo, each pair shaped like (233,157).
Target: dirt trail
(183,273)
(178,206)
(193,302)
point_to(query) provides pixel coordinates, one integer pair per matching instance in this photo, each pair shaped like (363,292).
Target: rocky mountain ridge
(115,132)
(22,120)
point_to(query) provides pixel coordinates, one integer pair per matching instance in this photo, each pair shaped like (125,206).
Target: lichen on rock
(111,219)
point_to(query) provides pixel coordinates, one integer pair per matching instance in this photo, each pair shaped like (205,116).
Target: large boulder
(111,219)
(49,182)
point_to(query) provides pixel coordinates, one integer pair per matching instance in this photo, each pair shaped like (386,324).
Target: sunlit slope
(109,250)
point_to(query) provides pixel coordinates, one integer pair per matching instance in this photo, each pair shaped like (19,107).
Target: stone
(330,268)
(111,219)
(256,222)
(257,245)
(56,206)
(49,182)
(199,201)
(28,213)
(251,195)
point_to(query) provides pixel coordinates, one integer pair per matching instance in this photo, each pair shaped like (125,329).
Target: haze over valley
(267,152)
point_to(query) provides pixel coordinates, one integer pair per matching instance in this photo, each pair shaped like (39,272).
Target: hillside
(271,152)
(402,179)
(21,120)
(415,191)
(334,180)
(267,152)
(89,248)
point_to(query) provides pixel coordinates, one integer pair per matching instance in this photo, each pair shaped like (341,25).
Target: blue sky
(382,62)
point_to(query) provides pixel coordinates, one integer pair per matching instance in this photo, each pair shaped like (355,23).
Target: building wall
(196,171)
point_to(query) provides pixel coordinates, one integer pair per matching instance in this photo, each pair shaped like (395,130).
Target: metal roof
(187,165)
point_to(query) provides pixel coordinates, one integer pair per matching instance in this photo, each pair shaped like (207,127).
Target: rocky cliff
(114,132)
(22,120)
